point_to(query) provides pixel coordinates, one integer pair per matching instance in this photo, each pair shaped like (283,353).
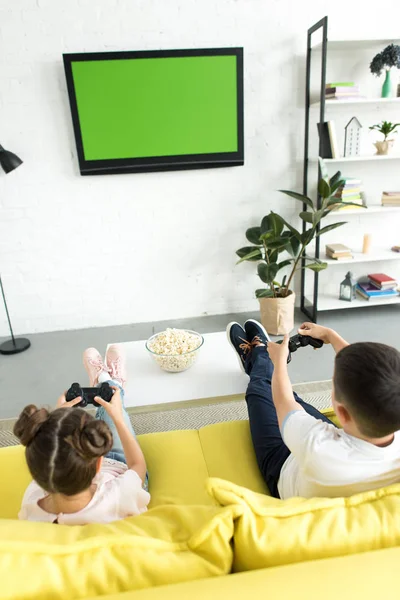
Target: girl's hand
(114,408)
(62,402)
(278,353)
(316,331)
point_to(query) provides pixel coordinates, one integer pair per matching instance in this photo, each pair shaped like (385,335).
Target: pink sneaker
(116,364)
(94,365)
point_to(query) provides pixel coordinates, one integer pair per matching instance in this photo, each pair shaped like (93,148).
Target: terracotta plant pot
(277,314)
(383,148)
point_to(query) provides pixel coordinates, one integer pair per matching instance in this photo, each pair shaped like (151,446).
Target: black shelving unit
(311,310)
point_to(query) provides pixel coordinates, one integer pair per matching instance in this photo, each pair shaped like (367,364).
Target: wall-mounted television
(156,110)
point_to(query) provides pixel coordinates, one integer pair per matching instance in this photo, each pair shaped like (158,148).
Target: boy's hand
(279,353)
(114,407)
(316,331)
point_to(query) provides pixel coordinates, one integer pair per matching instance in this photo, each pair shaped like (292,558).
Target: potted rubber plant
(275,237)
(386,60)
(385,128)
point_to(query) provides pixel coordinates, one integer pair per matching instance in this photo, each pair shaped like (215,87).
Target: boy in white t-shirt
(299,451)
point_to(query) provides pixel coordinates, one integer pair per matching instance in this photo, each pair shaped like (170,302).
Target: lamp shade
(8,160)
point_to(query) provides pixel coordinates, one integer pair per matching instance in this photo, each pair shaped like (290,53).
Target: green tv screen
(161,110)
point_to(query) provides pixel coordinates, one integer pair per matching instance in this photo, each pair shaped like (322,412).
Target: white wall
(79,252)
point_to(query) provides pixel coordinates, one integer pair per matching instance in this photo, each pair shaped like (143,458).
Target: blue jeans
(117,451)
(269,447)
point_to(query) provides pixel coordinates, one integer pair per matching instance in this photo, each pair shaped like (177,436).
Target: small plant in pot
(386,60)
(386,128)
(275,236)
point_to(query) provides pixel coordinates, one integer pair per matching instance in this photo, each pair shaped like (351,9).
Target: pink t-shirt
(119,494)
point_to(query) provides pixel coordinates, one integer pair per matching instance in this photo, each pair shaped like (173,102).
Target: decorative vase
(383,148)
(277,314)
(387,85)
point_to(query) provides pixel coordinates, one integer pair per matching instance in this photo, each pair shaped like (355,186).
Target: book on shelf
(338,252)
(342,92)
(329,143)
(381,281)
(368,291)
(390,199)
(340,84)
(350,191)
(350,89)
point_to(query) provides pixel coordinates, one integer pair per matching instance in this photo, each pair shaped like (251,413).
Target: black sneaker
(255,332)
(237,339)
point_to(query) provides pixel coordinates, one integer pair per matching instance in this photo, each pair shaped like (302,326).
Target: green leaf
(293,246)
(276,223)
(265,224)
(296,196)
(264,293)
(317,266)
(253,256)
(267,235)
(285,263)
(307,216)
(273,256)
(336,185)
(307,236)
(246,250)
(323,169)
(267,273)
(317,216)
(333,201)
(253,235)
(294,231)
(330,227)
(284,281)
(335,178)
(277,244)
(324,189)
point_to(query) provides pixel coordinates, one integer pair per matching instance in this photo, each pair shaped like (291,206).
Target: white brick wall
(78,252)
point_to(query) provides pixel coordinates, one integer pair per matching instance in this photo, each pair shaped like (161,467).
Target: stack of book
(390,198)
(350,191)
(342,90)
(338,251)
(378,287)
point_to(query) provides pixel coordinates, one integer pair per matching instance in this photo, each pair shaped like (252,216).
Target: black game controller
(88,394)
(298,341)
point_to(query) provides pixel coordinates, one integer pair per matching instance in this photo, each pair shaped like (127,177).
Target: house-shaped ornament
(352,137)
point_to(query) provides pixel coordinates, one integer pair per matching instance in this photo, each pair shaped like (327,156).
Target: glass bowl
(175,362)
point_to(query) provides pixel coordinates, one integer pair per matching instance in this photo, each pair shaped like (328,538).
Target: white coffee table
(216,375)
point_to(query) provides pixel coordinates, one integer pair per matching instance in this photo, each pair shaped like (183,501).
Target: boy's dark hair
(62,447)
(367,382)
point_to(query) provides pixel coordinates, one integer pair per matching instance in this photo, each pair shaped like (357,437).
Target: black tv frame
(157,163)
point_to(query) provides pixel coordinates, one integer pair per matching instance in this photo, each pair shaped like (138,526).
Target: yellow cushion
(177,470)
(229,454)
(368,576)
(15,478)
(270,532)
(168,544)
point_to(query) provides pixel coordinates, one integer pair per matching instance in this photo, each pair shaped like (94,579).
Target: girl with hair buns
(86,469)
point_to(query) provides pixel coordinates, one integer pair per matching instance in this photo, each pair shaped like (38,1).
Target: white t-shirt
(119,494)
(327,462)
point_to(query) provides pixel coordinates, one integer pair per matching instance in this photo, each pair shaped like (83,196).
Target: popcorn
(175,349)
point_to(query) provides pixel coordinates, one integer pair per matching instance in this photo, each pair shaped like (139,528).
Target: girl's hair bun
(92,439)
(29,422)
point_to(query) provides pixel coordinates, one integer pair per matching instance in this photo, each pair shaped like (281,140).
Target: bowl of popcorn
(175,350)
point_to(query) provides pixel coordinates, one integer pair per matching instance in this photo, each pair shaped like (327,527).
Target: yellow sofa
(198,530)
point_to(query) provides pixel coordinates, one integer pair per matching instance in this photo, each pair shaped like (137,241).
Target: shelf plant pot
(277,314)
(383,148)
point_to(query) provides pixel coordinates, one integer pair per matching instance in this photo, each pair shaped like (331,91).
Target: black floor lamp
(9,162)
